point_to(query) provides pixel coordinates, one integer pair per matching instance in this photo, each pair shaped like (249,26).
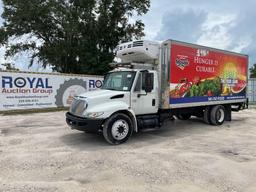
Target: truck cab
(129,92)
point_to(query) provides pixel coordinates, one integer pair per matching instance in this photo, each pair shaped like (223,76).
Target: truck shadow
(84,141)
(176,129)
(181,129)
(170,130)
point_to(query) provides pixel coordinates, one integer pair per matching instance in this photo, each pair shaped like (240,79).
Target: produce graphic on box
(199,75)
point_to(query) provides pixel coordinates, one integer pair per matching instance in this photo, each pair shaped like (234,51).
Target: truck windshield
(119,81)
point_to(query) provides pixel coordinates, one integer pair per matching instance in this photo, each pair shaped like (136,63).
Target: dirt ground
(38,152)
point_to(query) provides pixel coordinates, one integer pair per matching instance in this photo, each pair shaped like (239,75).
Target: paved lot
(38,152)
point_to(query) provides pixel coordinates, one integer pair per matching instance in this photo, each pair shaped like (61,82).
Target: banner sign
(37,90)
(201,75)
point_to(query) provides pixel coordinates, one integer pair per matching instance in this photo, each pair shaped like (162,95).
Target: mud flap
(228,111)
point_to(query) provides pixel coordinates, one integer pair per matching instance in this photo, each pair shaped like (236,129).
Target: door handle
(153,102)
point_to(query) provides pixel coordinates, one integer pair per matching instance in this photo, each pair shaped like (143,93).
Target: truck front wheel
(117,129)
(217,115)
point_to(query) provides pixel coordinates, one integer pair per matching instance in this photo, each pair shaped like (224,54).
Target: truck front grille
(78,107)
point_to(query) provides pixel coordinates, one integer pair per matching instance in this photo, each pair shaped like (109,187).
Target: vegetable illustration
(208,87)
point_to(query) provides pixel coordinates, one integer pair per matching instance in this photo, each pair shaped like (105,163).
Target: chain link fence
(252,90)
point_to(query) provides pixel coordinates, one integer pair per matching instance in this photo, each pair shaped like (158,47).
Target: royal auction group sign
(39,90)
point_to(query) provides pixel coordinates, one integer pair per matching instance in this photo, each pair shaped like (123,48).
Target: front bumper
(83,124)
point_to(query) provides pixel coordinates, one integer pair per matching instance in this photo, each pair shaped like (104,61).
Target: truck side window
(144,80)
(138,84)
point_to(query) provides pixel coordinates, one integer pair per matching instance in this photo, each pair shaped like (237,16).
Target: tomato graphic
(196,80)
(184,88)
(209,93)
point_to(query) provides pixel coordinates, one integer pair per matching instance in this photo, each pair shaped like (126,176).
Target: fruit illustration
(239,87)
(226,90)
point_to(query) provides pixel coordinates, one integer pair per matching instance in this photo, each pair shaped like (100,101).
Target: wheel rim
(120,129)
(220,115)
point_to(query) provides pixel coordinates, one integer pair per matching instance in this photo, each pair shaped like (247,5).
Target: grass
(31,111)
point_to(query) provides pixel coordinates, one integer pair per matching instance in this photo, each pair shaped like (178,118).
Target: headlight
(94,114)
(78,106)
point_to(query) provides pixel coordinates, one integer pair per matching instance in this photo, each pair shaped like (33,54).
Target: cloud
(215,31)
(221,24)
(182,24)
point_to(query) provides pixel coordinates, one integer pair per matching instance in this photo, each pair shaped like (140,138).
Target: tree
(253,71)
(73,36)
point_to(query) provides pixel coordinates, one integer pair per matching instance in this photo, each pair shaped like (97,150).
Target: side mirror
(149,82)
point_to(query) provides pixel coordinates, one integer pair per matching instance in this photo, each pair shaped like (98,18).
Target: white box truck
(155,81)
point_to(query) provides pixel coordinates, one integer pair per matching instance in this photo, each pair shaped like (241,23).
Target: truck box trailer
(156,81)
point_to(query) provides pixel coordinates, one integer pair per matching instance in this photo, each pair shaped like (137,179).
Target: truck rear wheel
(117,129)
(218,115)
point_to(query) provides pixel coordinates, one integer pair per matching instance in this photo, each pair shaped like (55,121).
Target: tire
(184,116)
(207,115)
(218,115)
(118,129)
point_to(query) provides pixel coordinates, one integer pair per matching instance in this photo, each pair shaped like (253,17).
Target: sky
(222,24)
(228,25)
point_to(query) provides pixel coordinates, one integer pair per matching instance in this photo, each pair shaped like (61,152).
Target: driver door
(141,102)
